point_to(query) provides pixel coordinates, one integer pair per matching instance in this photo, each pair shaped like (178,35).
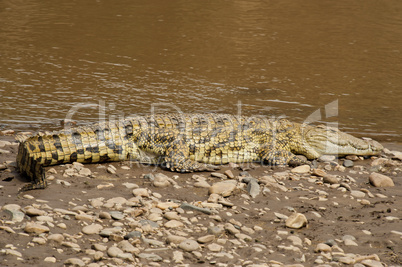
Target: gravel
(327,216)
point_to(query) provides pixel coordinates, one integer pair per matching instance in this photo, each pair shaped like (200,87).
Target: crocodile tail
(89,144)
(29,164)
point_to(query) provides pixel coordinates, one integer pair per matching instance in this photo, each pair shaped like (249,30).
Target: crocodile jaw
(322,140)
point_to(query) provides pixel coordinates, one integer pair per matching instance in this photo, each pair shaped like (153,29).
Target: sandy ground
(332,211)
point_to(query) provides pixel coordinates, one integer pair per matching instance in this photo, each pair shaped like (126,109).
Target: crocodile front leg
(275,157)
(171,148)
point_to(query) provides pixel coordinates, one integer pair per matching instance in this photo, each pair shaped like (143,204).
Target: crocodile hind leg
(176,159)
(280,158)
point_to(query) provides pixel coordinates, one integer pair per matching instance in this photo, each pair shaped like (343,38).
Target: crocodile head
(323,140)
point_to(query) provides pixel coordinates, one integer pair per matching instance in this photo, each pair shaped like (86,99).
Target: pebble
(321,247)
(347,260)
(107,232)
(74,262)
(152,242)
(152,224)
(296,241)
(215,230)
(39,240)
(150,256)
(372,263)
(349,242)
(178,256)
(117,215)
(114,251)
(85,172)
(99,247)
(202,184)
(127,247)
(296,221)
(301,169)
(14,211)
(253,188)
(140,192)
(155,217)
(44,218)
(133,234)
(348,163)
(173,224)
(244,237)
(224,188)
(167,205)
(380,180)
(4,143)
(84,217)
(171,215)
(36,228)
(397,155)
(161,180)
(219,175)
(130,185)
(97,256)
(111,169)
(92,229)
(206,239)
(357,194)
(231,229)
(7,229)
(71,245)
(319,172)
(352,157)
(11,252)
(281,216)
(3,151)
(229,174)
(34,212)
(175,239)
(105,215)
(378,162)
(330,179)
(56,237)
(50,259)
(105,186)
(327,158)
(189,245)
(7,132)
(65,212)
(214,247)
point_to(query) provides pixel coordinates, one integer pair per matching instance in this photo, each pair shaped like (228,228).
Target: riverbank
(123,213)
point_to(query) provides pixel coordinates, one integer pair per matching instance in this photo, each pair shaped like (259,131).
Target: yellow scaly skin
(186,143)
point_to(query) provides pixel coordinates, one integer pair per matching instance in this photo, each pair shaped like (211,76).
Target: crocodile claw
(211,168)
(206,167)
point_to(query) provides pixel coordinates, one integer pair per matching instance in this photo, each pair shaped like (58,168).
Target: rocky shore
(345,212)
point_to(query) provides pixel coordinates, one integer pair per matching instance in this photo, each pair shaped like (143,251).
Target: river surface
(323,61)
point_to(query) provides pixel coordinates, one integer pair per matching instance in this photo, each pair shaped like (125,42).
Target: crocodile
(186,143)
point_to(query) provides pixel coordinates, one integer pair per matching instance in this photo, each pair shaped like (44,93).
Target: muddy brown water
(326,61)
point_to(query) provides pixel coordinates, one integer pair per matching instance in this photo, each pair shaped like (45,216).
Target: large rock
(380,180)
